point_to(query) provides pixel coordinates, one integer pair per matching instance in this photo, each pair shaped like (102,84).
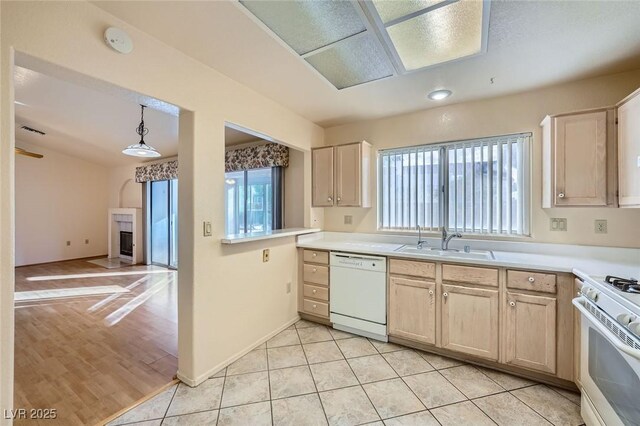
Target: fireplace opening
(126,243)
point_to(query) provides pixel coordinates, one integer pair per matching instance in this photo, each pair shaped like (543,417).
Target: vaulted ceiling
(530,44)
(86,123)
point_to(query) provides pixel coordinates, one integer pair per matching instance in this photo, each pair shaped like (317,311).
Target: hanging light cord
(141,130)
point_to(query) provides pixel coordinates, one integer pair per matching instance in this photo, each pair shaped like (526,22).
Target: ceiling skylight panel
(440,35)
(390,10)
(353,61)
(308,25)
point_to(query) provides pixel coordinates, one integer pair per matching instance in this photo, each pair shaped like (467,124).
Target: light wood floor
(89,357)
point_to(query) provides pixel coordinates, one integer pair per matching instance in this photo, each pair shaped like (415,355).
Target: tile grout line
(358,379)
(164,416)
(311,374)
(266,355)
(224,382)
(534,410)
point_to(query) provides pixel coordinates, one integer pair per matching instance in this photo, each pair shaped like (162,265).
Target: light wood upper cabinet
(353,164)
(530,332)
(629,150)
(341,175)
(322,177)
(412,311)
(579,159)
(470,320)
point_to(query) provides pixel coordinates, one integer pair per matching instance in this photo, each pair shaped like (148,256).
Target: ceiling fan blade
(27,153)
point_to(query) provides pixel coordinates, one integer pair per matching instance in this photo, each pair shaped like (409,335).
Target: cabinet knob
(315,270)
(314,306)
(314,291)
(561,195)
(445,295)
(512,303)
(314,254)
(430,292)
(531,279)
(329,199)
(338,198)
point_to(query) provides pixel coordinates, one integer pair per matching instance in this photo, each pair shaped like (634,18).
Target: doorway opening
(94,315)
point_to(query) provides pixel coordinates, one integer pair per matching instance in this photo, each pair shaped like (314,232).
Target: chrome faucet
(444,245)
(421,242)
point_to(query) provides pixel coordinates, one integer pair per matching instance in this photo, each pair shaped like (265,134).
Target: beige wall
(509,114)
(214,280)
(294,190)
(59,198)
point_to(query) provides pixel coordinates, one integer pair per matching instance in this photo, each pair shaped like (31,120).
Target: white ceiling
(86,123)
(531,44)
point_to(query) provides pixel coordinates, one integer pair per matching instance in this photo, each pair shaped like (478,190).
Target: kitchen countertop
(267,235)
(597,261)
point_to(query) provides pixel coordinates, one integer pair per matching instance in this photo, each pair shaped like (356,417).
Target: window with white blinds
(478,186)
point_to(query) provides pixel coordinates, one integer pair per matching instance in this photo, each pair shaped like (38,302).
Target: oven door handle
(615,341)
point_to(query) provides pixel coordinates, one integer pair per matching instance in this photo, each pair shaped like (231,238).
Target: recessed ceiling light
(438,95)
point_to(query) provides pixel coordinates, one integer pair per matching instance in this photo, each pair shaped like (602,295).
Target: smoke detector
(118,40)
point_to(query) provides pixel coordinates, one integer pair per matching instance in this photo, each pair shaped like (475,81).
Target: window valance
(157,171)
(256,157)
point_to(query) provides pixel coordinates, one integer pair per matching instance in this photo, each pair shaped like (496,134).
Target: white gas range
(609,350)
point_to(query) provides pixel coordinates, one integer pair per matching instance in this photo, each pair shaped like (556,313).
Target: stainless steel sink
(451,253)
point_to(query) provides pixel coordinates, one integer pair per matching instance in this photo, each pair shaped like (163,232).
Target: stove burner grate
(627,285)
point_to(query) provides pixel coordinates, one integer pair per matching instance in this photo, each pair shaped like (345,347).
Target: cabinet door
(349,175)
(470,321)
(412,312)
(322,177)
(629,152)
(530,327)
(581,159)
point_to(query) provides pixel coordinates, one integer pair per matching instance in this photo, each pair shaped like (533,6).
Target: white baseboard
(201,378)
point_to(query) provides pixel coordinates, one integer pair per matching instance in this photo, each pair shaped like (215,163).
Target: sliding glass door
(163,227)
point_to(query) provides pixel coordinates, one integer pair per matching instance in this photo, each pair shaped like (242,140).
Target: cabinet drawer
(410,267)
(315,256)
(534,281)
(315,308)
(316,274)
(470,274)
(316,292)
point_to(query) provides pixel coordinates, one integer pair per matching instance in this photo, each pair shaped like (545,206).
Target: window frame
(444,183)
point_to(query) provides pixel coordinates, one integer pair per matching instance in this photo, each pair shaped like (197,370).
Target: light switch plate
(348,219)
(265,255)
(559,224)
(68,243)
(600,226)
(206,229)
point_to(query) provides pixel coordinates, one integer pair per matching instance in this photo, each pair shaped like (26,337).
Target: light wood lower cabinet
(412,310)
(530,332)
(470,320)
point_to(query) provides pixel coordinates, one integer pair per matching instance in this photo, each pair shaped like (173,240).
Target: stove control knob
(634,327)
(626,319)
(592,294)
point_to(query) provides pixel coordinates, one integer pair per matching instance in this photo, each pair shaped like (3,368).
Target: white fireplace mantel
(125,219)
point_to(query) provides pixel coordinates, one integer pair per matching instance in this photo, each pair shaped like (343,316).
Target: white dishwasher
(358,294)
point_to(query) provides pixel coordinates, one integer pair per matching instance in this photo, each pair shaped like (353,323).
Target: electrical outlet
(348,219)
(265,255)
(86,241)
(558,224)
(68,243)
(206,229)
(289,287)
(600,226)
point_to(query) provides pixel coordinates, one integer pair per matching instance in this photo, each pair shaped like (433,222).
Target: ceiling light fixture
(141,149)
(438,95)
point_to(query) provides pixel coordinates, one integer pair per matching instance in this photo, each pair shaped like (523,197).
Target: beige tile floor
(313,375)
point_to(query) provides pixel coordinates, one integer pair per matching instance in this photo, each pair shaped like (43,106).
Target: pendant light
(141,149)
